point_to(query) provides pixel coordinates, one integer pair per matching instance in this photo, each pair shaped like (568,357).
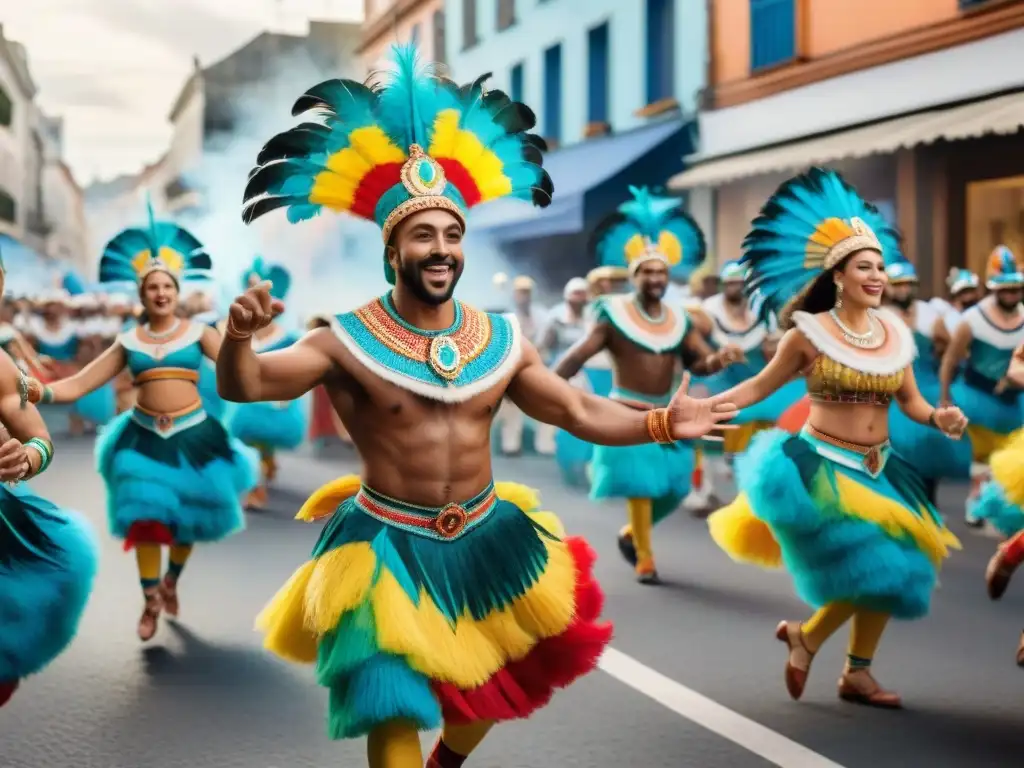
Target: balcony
(772,33)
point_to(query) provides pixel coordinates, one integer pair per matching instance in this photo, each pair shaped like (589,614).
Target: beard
(903,302)
(413,277)
(1007,306)
(734,299)
(653,292)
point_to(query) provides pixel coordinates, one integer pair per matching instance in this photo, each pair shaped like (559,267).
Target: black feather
(612,220)
(267,177)
(257,208)
(298,142)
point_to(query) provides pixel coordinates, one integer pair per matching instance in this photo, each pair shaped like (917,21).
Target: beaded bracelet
(45,450)
(47,395)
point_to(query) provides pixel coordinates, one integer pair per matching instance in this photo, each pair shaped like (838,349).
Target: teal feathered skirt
(48,560)
(478,611)
(573,454)
(849,527)
(213,403)
(935,456)
(653,471)
(97,407)
(1001,498)
(174,480)
(270,426)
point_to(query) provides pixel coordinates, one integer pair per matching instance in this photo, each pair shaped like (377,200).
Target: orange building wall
(375,55)
(825,27)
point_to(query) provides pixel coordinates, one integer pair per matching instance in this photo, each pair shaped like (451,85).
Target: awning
(575,170)
(25,271)
(1000,115)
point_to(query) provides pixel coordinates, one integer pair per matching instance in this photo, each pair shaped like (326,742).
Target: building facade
(18,180)
(386,22)
(916,102)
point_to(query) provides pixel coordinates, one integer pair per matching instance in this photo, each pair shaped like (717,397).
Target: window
(553,93)
(772,33)
(966,4)
(597,74)
(660,58)
(468,23)
(515,83)
(6,108)
(439,38)
(414,35)
(506,14)
(7,207)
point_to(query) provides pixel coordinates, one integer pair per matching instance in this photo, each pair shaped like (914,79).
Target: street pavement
(204,694)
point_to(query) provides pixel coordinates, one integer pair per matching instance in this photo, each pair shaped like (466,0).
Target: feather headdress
(646,228)
(417,142)
(960,279)
(162,246)
(808,227)
(1002,270)
(260,270)
(732,272)
(898,268)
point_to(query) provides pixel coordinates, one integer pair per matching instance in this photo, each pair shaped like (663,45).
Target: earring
(839,295)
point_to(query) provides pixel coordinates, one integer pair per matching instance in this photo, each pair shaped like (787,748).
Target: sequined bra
(840,374)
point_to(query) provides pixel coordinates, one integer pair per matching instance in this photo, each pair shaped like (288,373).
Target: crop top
(178,358)
(841,374)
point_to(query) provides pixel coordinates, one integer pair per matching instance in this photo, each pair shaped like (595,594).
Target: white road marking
(709,714)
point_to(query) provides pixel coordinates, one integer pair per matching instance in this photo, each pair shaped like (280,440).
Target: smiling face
(426,254)
(159,294)
(651,280)
(863,279)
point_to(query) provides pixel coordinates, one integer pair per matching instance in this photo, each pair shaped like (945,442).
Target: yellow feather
(484,167)
(283,621)
(340,581)
(670,247)
(985,442)
(744,537)
(1006,465)
(326,499)
(335,187)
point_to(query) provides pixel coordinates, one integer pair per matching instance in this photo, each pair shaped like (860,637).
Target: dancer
(48,555)
(645,338)
(984,342)
(964,292)
(433,593)
(268,427)
(935,457)
(845,514)
(173,476)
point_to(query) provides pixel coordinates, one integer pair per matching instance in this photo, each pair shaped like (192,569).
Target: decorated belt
(167,424)
(443,523)
(852,398)
(167,374)
(867,458)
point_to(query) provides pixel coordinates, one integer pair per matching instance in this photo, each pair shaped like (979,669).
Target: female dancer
(268,426)
(173,476)
(935,457)
(845,514)
(48,555)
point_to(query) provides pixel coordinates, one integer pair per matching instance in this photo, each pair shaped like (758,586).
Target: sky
(112,68)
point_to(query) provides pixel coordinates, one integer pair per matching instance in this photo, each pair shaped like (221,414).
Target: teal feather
(116,263)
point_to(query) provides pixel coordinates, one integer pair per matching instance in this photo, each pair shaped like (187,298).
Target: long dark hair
(819,296)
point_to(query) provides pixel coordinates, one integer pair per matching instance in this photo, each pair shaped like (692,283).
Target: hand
(1015,373)
(14,464)
(690,418)
(252,311)
(730,354)
(950,420)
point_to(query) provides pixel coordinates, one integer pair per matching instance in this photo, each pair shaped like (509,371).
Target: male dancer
(434,595)
(646,338)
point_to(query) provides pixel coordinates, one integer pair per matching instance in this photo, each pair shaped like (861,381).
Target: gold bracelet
(234,335)
(657,421)
(666,423)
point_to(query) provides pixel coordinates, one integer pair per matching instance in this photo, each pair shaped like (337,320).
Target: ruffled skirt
(48,561)
(843,535)
(992,419)
(182,486)
(1001,501)
(653,471)
(933,455)
(273,426)
(404,623)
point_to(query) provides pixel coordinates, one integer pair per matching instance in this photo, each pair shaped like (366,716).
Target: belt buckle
(164,423)
(451,521)
(873,460)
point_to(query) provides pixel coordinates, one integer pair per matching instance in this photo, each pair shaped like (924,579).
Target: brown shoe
(998,573)
(646,573)
(798,665)
(169,596)
(150,618)
(859,687)
(257,498)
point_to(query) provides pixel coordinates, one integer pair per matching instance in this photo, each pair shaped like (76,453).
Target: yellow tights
(397,744)
(865,632)
(640,524)
(149,558)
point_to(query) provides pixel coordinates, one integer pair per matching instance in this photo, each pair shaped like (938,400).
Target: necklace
(868,340)
(644,314)
(163,334)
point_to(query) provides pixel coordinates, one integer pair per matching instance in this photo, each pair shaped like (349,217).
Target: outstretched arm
(26,428)
(92,377)
(955,354)
(543,395)
(790,358)
(584,349)
(246,377)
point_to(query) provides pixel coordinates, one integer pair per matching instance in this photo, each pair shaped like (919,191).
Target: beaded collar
(901,355)
(158,350)
(722,332)
(663,334)
(987,332)
(453,365)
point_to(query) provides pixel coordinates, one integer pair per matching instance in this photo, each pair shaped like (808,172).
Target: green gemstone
(426,172)
(447,356)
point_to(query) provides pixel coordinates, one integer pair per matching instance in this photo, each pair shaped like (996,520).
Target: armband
(45,450)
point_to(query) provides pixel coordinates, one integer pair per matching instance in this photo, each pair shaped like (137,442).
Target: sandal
(169,596)
(798,664)
(150,618)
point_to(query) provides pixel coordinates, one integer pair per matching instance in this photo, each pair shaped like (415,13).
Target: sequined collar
(663,334)
(452,365)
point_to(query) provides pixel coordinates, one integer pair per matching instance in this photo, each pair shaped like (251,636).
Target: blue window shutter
(772,32)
